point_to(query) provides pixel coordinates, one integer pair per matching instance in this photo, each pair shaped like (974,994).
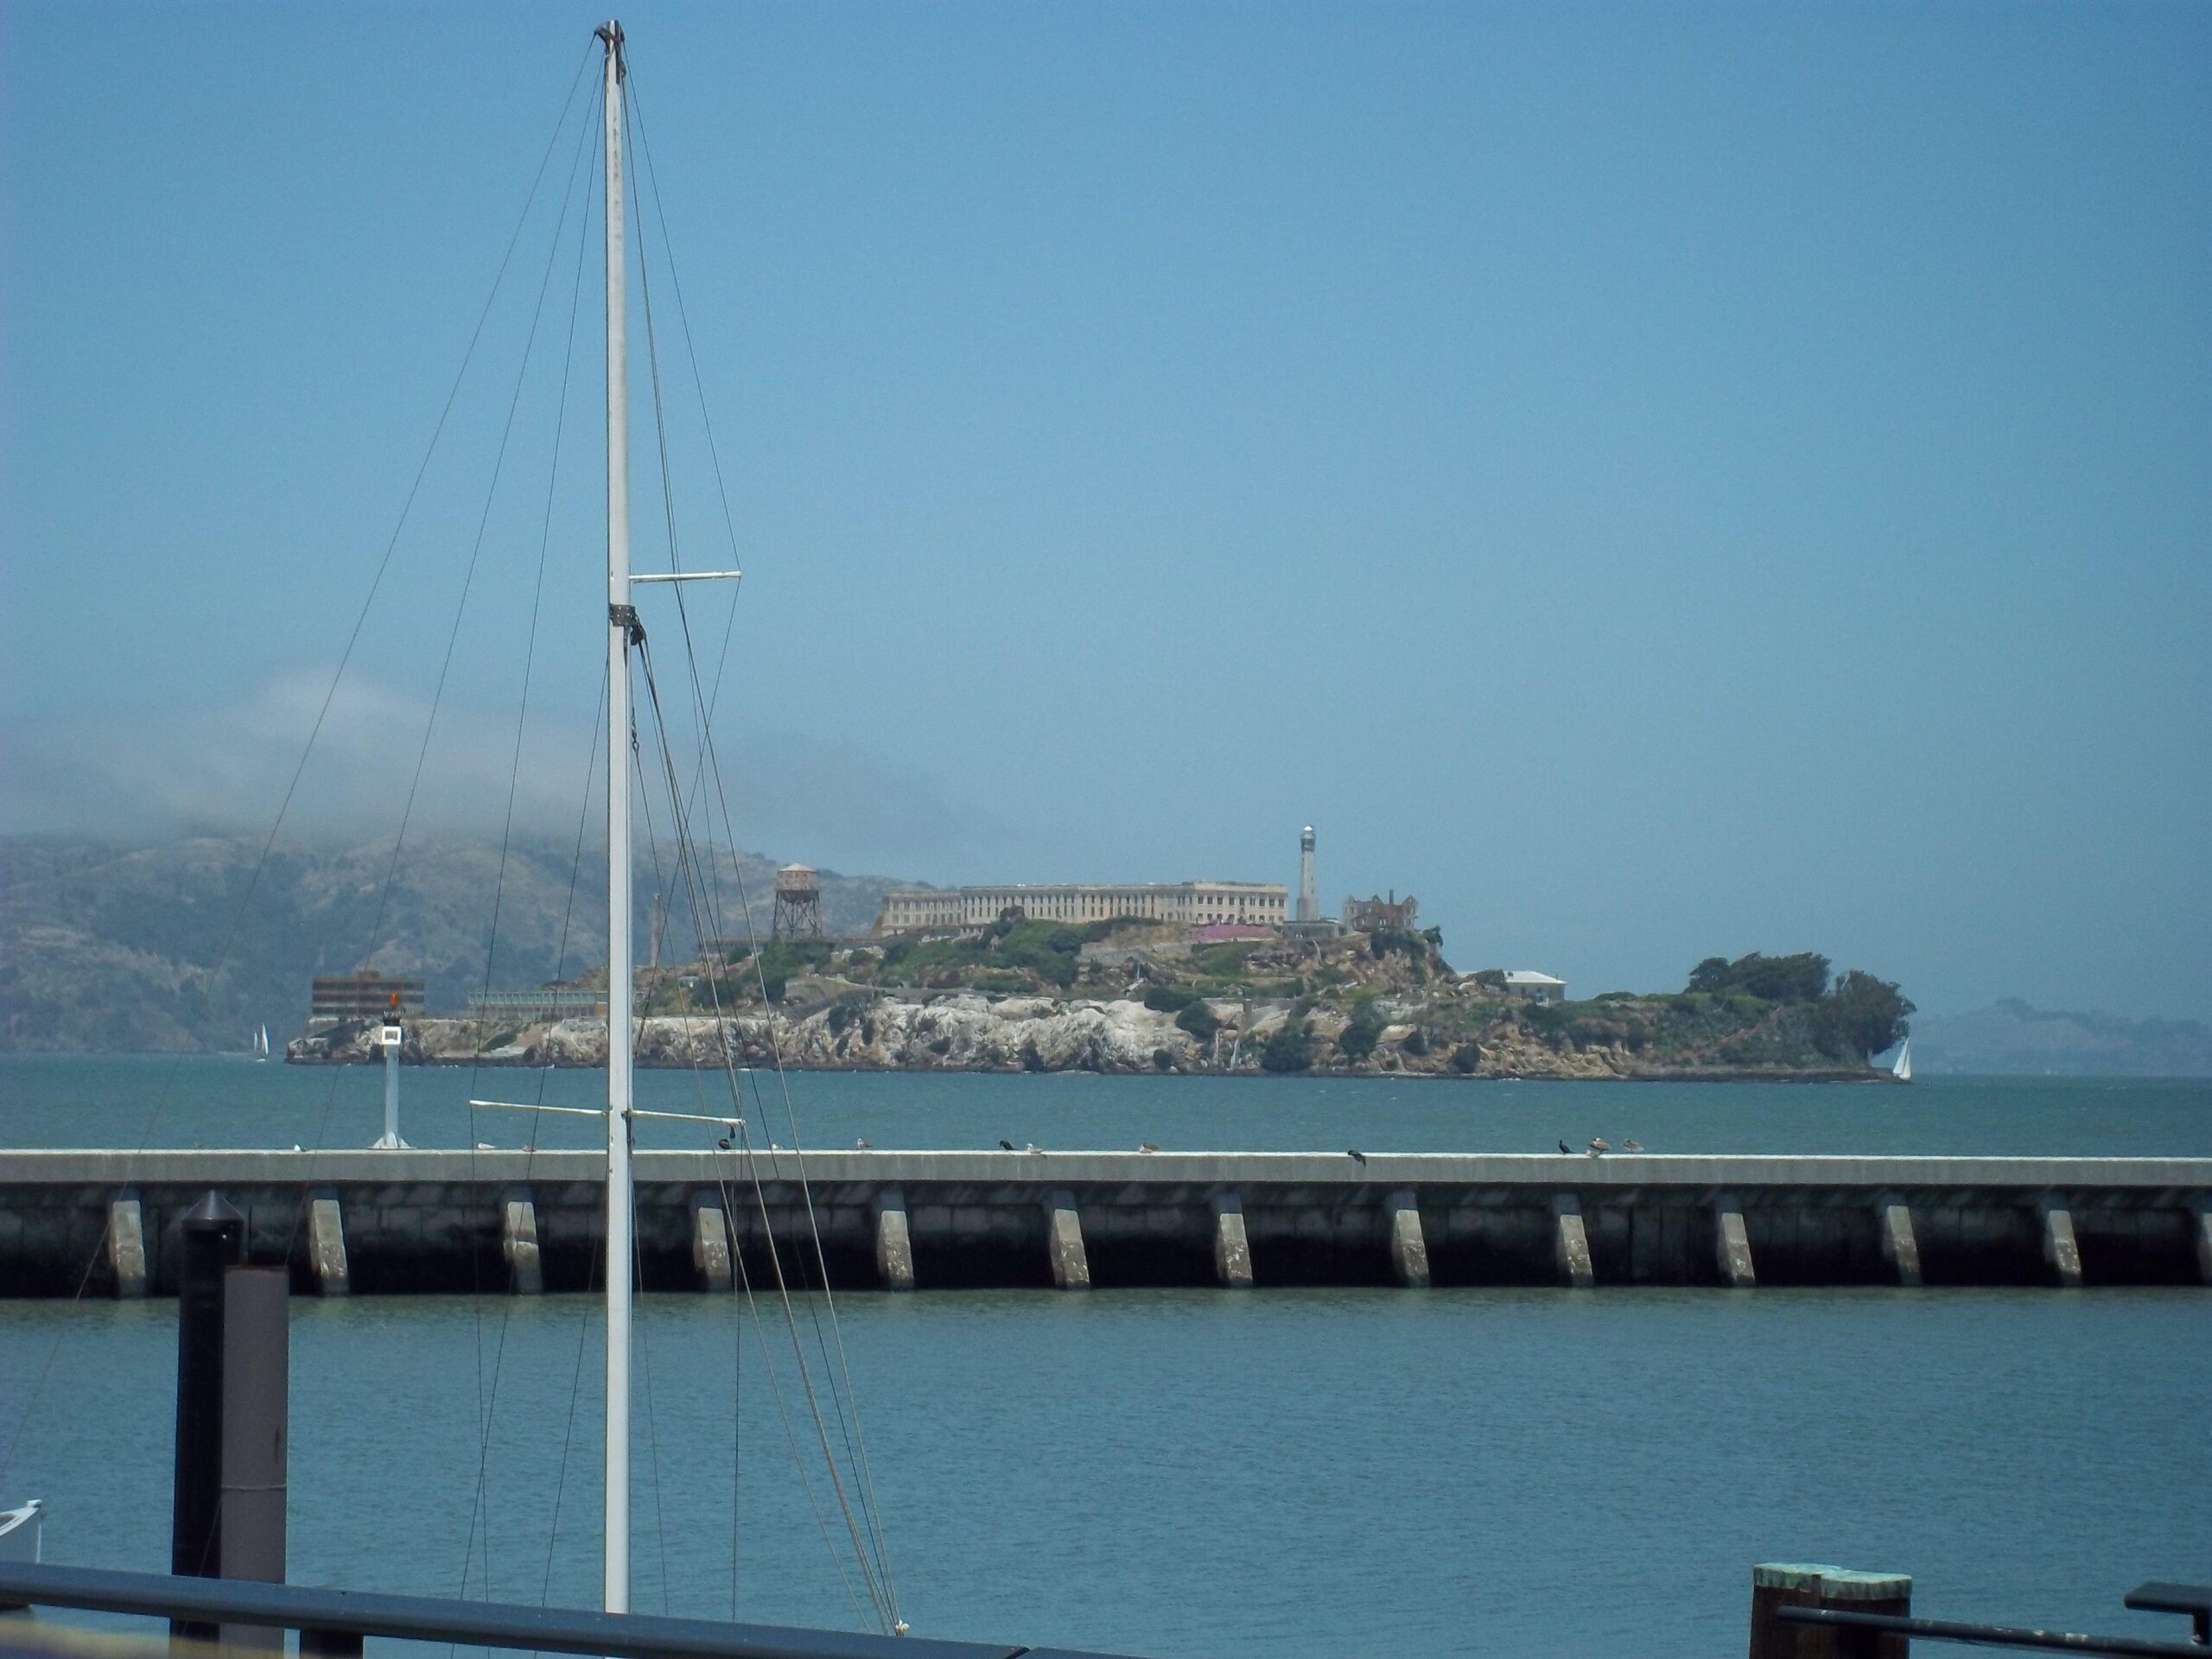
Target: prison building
(1194,903)
(539,1005)
(365,995)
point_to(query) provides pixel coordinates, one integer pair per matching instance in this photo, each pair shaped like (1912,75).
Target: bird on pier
(1146,1146)
(1006,1146)
(1631,1145)
(860,1143)
(1600,1147)
(1569,1150)
(1034,1147)
(723,1143)
(1356,1157)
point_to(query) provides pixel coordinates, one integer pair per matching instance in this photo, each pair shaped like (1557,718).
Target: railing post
(257,1386)
(213,1236)
(1780,1584)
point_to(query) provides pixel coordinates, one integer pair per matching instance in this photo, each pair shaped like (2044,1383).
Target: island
(1128,995)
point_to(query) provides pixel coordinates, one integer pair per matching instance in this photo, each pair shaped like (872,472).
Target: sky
(1653,481)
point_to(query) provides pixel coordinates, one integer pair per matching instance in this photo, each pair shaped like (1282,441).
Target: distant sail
(1902,1070)
(261,1045)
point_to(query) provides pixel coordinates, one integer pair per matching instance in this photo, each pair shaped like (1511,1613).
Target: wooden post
(213,1236)
(257,1373)
(1782,1585)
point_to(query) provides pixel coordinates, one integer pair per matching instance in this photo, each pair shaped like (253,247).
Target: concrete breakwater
(510,1221)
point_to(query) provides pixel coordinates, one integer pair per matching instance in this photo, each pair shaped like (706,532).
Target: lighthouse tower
(1308,910)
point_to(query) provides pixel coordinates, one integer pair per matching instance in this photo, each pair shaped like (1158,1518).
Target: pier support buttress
(710,1243)
(895,1241)
(518,1245)
(1063,1234)
(1900,1248)
(327,1247)
(2059,1247)
(1731,1245)
(1409,1247)
(126,1246)
(1232,1250)
(1571,1241)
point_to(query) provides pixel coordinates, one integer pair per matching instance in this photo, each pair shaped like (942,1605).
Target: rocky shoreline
(969,1031)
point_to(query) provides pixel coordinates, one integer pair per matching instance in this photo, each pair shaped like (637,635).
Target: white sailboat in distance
(1902,1071)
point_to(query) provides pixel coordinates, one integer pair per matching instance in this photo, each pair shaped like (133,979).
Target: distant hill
(2012,1037)
(107,947)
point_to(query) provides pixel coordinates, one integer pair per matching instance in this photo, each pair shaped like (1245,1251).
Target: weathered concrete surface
(1572,1241)
(519,1245)
(127,1247)
(2060,1247)
(710,1252)
(327,1247)
(434,1220)
(1409,1249)
(1232,1247)
(1732,1244)
(1900,1247)
(894,1244)
(1070,1262)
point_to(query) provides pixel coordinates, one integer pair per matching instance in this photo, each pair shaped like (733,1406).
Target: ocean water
(1193,1472)
(157,1101)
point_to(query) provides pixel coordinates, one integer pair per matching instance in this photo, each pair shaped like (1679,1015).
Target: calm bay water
(1301,1472)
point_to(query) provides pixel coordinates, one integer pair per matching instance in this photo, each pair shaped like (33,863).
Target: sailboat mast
(621,628)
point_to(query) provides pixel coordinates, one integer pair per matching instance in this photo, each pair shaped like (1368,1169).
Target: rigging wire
(847,1416)
(487,1406)
(162,1094)
(886,1615)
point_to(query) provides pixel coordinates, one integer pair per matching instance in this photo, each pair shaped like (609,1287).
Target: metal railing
(332,1621)
(1994,1635)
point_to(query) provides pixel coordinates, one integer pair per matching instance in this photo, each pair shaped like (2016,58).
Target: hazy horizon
(1653,483)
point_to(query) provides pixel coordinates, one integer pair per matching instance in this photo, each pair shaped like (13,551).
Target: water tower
(798,904)
(1308,910)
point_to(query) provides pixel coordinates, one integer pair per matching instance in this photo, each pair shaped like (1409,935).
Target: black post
(257,1377)
(214,1236)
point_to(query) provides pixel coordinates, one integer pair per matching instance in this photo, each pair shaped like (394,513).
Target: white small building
(1537,988)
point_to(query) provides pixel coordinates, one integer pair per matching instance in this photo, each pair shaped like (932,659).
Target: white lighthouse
(1308,910)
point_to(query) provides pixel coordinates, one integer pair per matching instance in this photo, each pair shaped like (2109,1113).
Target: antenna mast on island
(622,630)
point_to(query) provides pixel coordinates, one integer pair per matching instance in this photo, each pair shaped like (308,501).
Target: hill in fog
(107,947)
(2011,1038)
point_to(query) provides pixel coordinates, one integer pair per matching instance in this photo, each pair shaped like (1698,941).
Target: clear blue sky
(1652,481)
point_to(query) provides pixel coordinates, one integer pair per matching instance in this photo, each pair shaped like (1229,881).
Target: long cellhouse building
(909,910)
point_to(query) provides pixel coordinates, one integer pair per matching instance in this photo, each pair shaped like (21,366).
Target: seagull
(1631,1145)
(1146,1146)
(1564,1148)
(860,1144)
(1598,1147)
(481,1146)
(1032,1145)
(1356,1157)
(1006,1146)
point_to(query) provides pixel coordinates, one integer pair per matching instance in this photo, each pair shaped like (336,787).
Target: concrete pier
(518,1245)
(127,1247)
(2060,1247)
(1070,1262)
(894,1243)
(1900,1247)
(327,1247)
(379,1222)
(710,1252)
(1409,1249)
(1232,1249)
(1732,1244)
(1571,1241)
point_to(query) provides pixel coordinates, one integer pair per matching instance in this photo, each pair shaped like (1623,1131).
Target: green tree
(1862,1015)
(1357,1040)
(1291,1049)
(1198,1018)
(1801,978)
